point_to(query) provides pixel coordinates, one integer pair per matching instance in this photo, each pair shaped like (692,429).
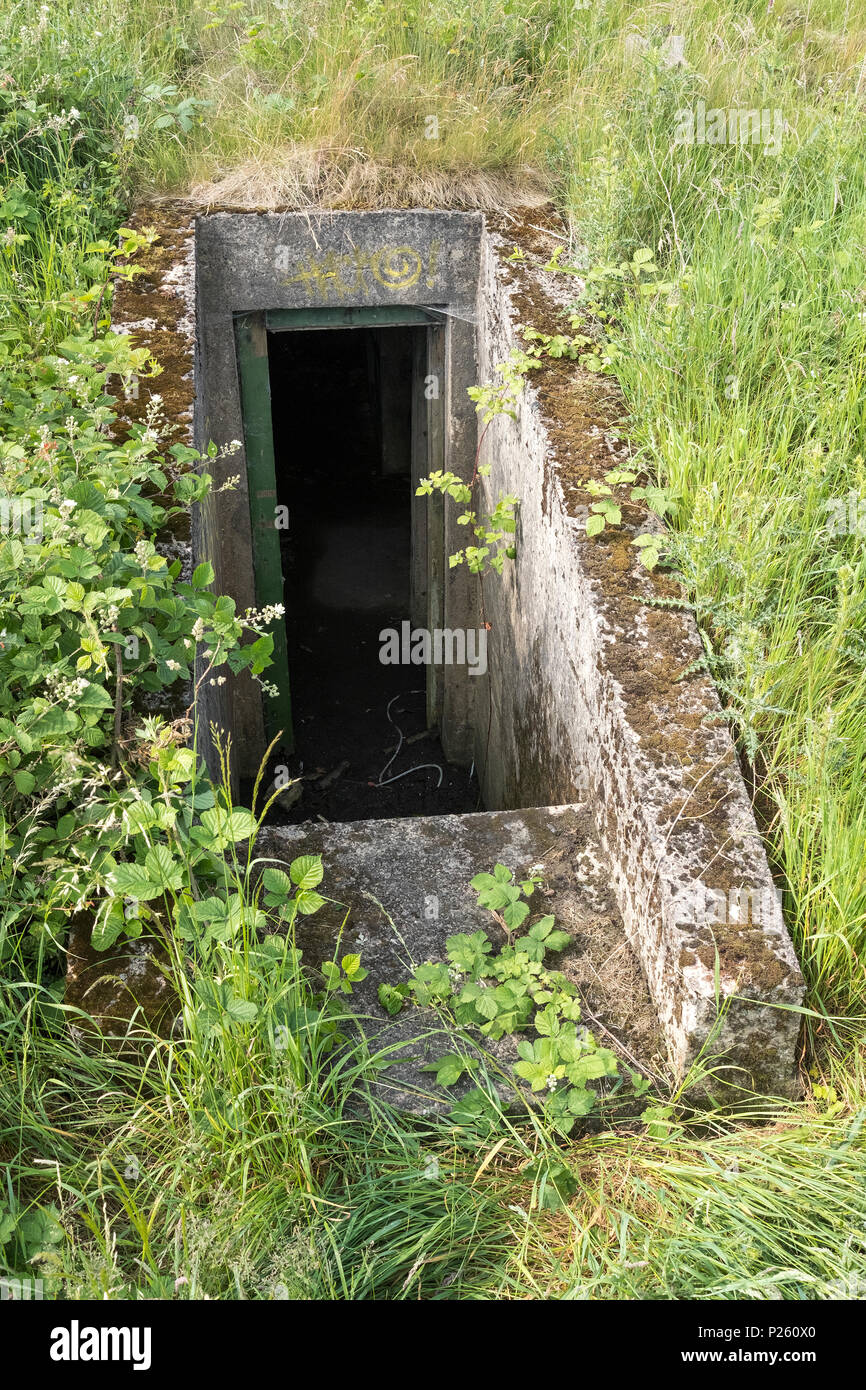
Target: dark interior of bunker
(341,402)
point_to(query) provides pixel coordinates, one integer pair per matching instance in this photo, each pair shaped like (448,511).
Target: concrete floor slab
(400,888)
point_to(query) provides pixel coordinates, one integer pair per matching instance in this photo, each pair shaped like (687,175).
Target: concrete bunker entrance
(338,354)
(627,778)
(351,415)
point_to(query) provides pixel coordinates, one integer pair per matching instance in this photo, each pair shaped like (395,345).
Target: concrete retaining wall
(587,695)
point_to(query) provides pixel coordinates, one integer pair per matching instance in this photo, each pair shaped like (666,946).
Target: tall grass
(775,1212)
(213,1164)
(748,400)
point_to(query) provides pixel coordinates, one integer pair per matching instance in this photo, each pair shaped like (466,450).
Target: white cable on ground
(383,781)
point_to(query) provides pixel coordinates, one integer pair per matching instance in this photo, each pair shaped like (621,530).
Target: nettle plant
(509,991)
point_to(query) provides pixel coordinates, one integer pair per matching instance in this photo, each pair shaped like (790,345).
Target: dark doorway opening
(341,404)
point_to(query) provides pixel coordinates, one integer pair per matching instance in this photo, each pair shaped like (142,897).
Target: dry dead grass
(339,177)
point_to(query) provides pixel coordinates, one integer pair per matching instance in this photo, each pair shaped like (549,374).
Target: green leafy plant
(573,346)
(553,1181)
(393,997)
(640,275)
(345,974)
(94,619)
(606,510)
(493,533)
(450,1068)
(290,893)
(661,1123)
(30,1238)
(507,991)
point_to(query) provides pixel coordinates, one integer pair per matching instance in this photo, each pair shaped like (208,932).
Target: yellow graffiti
(396,268)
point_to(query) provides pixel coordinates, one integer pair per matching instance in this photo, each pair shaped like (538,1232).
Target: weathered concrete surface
(586,690)
(248,263)
(157,310)
(405,887)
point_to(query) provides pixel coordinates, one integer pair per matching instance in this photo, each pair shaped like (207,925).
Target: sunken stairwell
(338,349)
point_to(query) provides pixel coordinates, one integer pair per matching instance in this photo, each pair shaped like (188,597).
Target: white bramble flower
(173,665)
(67,691)
(268,614)
(552,1082)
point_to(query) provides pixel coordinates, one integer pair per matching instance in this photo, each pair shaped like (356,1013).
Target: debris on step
(120,991)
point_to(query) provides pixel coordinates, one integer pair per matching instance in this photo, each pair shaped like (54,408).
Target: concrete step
(399,888)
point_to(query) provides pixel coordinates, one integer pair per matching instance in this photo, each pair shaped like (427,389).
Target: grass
(757,375)
(744,390)
(775,1212)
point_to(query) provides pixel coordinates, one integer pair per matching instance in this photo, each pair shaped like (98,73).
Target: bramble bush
(92,619)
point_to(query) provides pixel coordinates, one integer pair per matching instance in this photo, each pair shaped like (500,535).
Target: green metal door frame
(251,340)
(371,316)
